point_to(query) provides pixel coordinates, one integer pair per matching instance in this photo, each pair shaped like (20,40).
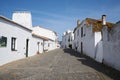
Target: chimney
(78,22)
(23,17)
(103,20)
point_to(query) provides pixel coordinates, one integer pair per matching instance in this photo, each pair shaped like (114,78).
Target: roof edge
(2,17)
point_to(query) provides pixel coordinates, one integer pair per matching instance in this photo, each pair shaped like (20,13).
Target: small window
(81,31)
(74,36)
(48,44)
(78,32)
(41,43)
(69,39)
(38,43)
(84,31)
(3,41)
(13,44)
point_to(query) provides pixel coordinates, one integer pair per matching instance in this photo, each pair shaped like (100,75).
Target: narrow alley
(58,64)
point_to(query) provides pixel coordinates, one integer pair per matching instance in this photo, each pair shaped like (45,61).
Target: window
(13,44)
(74,36)
(81,31)
(38,43)
(78,32)
(84,31)
(41,43)
(3,41)
(69,39)
(48,44)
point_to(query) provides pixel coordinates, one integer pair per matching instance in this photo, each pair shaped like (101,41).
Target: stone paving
(58,64)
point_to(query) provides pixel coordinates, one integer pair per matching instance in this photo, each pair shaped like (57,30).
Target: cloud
(49,14)
(52,21)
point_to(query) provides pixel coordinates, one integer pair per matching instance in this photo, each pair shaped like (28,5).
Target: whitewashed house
(88,38)
(16,39)
(67,39)
(111,46)
(51,37)
(76,32)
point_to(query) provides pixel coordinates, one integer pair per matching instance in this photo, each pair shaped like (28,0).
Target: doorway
(38,43)
(27,41)
(81,48)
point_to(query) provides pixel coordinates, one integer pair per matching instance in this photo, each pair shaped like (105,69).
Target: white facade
(67,39)
(84,41)
(111,46)
(51,36)
(19,41)
(36,45)
(88,38)
(98,39)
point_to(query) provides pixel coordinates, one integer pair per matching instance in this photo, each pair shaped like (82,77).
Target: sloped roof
(42,37)
(6,19)
(44,32)
(97,24)
(74,29)
(47,29)
(78,25)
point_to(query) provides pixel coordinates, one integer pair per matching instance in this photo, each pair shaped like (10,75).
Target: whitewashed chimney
(78,22)
(23,17)
(103,20)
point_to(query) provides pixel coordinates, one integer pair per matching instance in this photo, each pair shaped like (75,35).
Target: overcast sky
(61,15)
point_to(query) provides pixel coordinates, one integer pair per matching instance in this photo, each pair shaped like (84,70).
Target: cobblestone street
(58,64)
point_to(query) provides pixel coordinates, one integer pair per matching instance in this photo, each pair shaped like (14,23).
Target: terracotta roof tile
(97,24)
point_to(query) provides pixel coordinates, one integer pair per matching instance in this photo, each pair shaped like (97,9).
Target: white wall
(98,47)
(52,45)
(9,30)
(48,34)
(74,43)
(34,45)
(111,47)
(67,36)
(63,41)
(98,37)
(89,42)
(99,52)
(44,32)
(49,45)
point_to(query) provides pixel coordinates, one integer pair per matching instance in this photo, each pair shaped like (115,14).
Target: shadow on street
(101,68)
